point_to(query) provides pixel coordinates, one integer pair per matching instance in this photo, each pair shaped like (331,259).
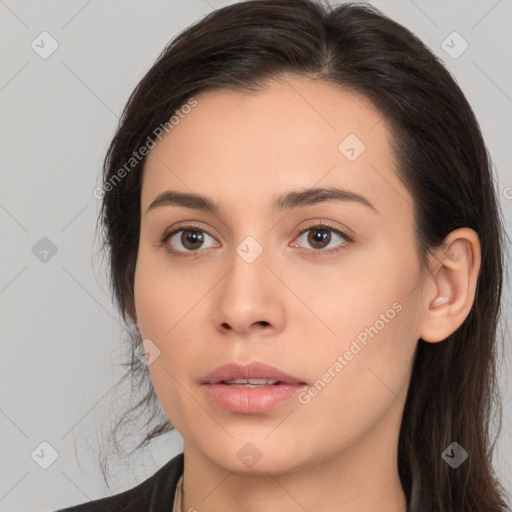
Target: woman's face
(259,280)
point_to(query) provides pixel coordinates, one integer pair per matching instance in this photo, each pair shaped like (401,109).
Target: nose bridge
(246,295)
(248,267)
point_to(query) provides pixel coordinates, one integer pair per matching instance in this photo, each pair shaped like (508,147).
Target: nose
(250,299)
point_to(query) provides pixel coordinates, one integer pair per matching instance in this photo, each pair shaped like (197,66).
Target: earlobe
(453,282)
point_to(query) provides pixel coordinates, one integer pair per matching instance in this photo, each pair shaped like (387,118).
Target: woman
(302,225)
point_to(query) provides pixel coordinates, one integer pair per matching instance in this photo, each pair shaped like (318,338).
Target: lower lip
(251,400)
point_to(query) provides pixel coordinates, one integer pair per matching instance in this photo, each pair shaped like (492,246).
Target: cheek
(162,295)
(355,304)
(356,384)
(162,317)
(167,303)
(369,279)
(362,369)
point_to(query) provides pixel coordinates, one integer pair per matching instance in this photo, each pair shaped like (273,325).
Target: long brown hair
(442,160)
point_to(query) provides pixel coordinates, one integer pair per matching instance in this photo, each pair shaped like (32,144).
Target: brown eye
(318,237)
(192,239)
(188,240)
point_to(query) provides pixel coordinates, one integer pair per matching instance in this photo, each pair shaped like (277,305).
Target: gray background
(61,337)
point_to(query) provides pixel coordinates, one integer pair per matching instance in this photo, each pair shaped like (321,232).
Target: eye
(320,235)
(188,239)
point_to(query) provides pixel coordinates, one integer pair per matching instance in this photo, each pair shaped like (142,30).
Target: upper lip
(255,370)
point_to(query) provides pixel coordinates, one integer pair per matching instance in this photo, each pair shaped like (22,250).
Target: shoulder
(153,494)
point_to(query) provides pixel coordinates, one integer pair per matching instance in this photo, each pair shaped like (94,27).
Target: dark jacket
(154,494)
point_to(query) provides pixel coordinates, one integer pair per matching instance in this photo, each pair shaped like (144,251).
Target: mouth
(255,388)
(252,375)
(251,383)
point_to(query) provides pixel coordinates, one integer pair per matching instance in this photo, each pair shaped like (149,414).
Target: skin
(297,306)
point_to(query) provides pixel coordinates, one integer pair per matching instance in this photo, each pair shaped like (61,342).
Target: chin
(257,458)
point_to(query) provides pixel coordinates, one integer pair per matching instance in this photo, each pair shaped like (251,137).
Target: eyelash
(348,240)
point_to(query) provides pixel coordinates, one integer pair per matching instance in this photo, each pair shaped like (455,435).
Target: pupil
(318,236)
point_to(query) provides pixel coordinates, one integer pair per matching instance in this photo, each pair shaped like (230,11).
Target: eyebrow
(287,201)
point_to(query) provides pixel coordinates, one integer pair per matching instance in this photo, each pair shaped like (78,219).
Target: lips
(253,374)
(255,388)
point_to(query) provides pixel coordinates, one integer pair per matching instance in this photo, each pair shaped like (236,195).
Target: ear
(451,285)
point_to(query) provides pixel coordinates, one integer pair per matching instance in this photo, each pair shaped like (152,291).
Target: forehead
(249,146)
